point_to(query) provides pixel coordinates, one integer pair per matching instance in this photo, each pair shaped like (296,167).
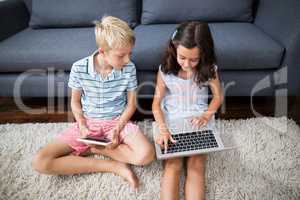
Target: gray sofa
(256,41)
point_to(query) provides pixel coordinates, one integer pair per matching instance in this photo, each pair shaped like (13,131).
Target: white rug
(267,166)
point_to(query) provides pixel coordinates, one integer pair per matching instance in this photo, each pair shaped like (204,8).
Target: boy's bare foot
(124,171)
(96,149)
(121,169)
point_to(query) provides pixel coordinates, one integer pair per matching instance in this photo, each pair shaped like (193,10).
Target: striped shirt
(102,98)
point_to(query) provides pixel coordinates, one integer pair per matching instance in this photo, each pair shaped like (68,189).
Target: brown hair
(192,34)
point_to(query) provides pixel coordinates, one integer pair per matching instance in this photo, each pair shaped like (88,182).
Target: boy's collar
(91,67)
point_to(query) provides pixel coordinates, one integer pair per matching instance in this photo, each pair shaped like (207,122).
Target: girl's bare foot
(124,171)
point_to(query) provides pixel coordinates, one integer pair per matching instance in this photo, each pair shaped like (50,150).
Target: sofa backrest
(176,11)
(79,13)
(82,13)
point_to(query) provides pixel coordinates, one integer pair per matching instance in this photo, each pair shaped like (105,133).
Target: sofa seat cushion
(45,48)
(238,46)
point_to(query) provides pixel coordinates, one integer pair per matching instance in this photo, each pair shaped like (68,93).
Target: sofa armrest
(281,20)
(14,17)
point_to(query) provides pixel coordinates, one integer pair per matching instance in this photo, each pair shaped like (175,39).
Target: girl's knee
(196,163)
(173,165)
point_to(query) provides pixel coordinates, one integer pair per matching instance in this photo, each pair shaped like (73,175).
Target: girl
(187,70)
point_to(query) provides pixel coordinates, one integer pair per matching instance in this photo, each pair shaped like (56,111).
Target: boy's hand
(163,138)
(115,139)
(84,131)
(201,121)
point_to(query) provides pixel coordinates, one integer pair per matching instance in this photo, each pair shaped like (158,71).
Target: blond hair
(112,32)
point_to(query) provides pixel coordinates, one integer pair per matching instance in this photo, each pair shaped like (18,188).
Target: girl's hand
(84,131)
(163,138)
(115,139)
(201,121)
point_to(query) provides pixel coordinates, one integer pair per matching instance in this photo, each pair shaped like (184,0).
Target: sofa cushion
(75,13)
(237,45)
(176,11)
(151,41)
(245,46)
(45,48)
(28,4)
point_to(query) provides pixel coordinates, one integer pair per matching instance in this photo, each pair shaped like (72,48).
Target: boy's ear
(100,50)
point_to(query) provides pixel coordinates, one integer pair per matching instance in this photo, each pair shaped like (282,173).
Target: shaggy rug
(265,166)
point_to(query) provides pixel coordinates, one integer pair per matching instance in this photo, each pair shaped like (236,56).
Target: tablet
(95,140)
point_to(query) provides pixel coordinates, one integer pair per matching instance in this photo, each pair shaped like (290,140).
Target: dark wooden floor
(58,110)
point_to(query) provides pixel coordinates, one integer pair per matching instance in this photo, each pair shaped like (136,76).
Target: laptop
(192,140)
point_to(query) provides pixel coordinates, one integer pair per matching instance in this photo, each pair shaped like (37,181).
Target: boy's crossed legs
(57,158)
(135,150)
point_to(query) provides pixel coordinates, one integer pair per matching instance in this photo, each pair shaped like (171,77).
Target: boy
(103,100)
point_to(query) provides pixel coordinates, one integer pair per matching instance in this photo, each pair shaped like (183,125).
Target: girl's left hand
(200,121)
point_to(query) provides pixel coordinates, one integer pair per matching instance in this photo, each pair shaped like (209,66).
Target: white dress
(184,98)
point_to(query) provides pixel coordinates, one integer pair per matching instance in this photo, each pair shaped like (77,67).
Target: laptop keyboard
(192,141)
